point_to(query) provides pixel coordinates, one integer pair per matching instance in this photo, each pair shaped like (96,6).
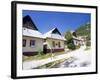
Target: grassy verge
(43,56)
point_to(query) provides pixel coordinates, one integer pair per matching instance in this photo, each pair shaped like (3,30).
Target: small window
(32,43)
(53,43)
(59,44)
(24,42)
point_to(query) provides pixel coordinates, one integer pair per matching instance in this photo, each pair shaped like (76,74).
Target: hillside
(83,30)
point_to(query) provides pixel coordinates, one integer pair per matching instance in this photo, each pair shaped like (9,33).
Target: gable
(56,31)
(54,34)
(28,23)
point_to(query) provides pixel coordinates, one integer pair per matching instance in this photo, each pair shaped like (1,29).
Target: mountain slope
(83,30)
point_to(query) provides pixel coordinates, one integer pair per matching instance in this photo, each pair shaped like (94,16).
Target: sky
(64,21)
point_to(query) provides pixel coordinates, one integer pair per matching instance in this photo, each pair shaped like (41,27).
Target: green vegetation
(36,57)
(69,38)
(78,46)
(68,35)
(84,30)
(41,56)
(71,46)
(40,52)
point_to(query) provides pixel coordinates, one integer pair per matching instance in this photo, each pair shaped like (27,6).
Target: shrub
(40,52)
(71,46)
(78,46)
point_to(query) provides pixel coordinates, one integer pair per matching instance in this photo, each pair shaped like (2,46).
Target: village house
(54,41)
(78,40)
(34,41)
(32,38)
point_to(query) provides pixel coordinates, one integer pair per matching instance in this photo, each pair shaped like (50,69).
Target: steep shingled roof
(54,33)
(29,28)
(28,23)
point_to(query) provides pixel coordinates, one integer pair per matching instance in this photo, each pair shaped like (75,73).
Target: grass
(36,57)
(42,56)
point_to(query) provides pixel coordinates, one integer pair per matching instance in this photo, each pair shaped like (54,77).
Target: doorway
(45,48)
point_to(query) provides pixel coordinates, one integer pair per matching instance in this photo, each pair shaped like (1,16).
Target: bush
(40,52)
(71,46)
(78,46)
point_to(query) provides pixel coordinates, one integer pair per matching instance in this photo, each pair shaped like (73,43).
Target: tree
(83,30)
(68,35)
(71,46)
(69,38)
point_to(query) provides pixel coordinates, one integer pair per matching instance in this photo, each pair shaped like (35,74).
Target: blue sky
(64,21)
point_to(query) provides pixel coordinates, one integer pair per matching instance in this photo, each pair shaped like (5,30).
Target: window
(53,43)
(32,43)
(24,42)
(59,44)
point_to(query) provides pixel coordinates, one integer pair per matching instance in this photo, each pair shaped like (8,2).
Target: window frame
(32,42)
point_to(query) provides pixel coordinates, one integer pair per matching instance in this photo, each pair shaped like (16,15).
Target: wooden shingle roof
(28,23)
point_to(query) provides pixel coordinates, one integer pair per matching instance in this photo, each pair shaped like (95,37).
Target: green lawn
(41,56)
